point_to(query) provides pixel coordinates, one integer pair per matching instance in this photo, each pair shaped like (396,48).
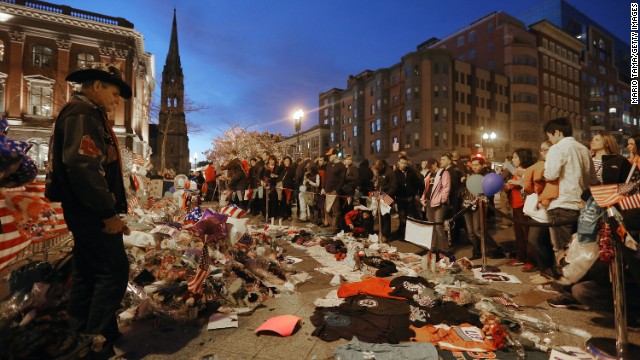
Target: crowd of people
(335,193)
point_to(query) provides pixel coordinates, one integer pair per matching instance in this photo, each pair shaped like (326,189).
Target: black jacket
(86,172)
(409,183)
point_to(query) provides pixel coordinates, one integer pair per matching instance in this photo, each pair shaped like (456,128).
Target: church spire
(172,64)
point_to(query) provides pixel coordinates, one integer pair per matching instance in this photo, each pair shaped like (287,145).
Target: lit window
(1,50)
(42,56)
(40,98)
(355,130)
(86,59)
(409,115)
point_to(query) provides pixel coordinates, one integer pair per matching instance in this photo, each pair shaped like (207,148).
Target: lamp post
(297,121)
(488,138)
(195,160)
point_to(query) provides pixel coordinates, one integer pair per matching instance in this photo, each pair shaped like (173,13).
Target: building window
(395,120)
(472,54)
(408,115)
(416,139)
(355,130)
(416,116)
(445,140)
(41,100)
(373,109)
(42,56)
(1,50)
(472,36)
(3,77)
(378,145)
(435,91)
(332,137)
(444,92)
(372,147)
(378,124)
(444,114)
(460,41)
(86,59)
(436,114)
(436,139)
(344,135)
(490,27)
(373,127)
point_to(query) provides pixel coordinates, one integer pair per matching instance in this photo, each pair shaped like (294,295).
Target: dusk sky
(253,62)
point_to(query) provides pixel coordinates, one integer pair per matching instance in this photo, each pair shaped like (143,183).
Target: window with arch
(85,59)
(42,56)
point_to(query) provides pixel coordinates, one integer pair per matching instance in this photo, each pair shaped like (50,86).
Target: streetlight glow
(297,121)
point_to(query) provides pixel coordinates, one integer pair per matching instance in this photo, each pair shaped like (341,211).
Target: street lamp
(195,160)
(488,138)
(297,121)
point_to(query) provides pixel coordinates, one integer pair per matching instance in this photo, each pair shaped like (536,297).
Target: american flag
(11,241)
(233,211)
(195,215)
(139,159)
(132,204)
(503,301)
(630,202)
(195,284)
(608,195)
(386,198)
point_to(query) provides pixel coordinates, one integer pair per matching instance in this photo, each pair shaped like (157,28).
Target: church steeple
(173,141)
(172,89)
(172,64)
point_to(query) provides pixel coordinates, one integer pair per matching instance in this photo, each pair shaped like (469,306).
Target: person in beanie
(85,175)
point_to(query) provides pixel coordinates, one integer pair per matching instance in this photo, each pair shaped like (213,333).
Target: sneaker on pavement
(566,301)
(552,287)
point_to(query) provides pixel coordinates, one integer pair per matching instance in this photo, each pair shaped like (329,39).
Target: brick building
(41,43)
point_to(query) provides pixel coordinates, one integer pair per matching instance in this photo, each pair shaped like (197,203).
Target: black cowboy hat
(102,72)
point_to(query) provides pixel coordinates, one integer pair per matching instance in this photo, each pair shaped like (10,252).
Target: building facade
(605,97)
(314,141)
(560,66)
(501,43)
(170,140)
(425,105)
(41,43)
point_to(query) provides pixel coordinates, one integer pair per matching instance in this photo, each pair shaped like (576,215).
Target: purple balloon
(214,225)
(492,184)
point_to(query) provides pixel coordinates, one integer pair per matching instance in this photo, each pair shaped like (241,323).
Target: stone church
(169,136)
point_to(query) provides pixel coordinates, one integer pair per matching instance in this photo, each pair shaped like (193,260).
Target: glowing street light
(297,121)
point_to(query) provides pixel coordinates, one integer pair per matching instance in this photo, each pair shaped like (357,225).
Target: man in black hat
(86,177)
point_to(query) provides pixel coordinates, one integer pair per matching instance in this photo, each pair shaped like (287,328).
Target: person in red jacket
(359,222)
(210,179)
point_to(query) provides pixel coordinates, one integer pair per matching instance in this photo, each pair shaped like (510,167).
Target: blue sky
(253,62)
